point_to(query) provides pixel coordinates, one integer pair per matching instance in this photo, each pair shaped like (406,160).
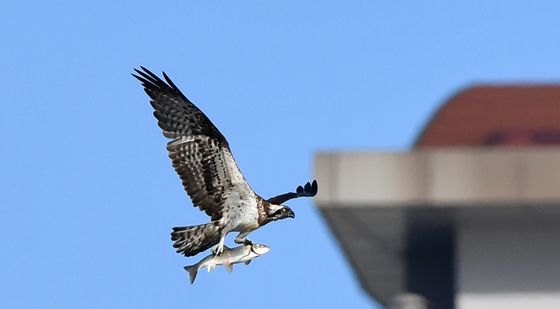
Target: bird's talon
(218,249)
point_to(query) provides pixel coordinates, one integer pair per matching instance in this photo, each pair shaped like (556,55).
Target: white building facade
(461,227)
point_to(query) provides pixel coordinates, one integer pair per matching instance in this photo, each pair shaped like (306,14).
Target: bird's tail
(190,240)
(193,271)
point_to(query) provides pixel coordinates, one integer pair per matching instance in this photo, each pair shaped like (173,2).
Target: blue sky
(87,194)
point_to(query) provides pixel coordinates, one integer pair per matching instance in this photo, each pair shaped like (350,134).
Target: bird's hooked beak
(281,212)
(289,213)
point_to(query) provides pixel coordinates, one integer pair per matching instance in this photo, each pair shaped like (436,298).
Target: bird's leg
(242,239)
(219,248)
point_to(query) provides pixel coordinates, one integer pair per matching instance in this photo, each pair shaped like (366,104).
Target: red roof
(519,115)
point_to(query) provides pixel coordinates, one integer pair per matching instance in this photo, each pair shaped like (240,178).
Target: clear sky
(87,193)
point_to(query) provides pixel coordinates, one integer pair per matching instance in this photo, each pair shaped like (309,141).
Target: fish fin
(229,267)
(193,271)
(211,267)
(248,262)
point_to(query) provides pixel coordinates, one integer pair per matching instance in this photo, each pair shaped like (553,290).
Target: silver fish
(242,254)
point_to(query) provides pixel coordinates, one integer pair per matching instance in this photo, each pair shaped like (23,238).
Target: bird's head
(278,212)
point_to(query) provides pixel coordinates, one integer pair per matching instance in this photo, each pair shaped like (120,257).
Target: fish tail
(193,271)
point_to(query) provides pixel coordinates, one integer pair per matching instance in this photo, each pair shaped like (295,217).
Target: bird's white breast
(241,204)
(241,211)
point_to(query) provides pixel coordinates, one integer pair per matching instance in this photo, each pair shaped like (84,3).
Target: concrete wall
(503,205)
(436,177)
(508,265)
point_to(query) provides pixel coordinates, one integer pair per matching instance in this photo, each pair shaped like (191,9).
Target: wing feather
(199,153)
(176,114)
(308,190)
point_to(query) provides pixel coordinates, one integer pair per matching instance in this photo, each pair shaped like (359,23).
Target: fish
(241,254)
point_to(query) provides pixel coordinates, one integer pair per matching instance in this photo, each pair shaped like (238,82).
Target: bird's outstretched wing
(309,190)
(199,152)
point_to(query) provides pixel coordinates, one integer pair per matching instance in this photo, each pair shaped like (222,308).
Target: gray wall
(508,264)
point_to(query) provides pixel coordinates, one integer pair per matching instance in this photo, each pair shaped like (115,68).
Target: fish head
(260,249)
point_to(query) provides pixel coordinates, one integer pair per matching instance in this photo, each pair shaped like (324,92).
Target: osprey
(201,156)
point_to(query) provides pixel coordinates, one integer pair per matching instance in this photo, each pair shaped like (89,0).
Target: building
(469,218)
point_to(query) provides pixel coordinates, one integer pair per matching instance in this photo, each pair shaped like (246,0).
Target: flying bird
(201,156)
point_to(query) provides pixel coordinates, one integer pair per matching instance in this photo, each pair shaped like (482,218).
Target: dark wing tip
(176,114)
(169,81)
(314,187)
(310,189)
(151,82)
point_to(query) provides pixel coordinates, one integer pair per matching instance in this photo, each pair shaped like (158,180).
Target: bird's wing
(309,190)
(199,153)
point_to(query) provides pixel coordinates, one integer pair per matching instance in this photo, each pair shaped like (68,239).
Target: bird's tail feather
(191,240)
